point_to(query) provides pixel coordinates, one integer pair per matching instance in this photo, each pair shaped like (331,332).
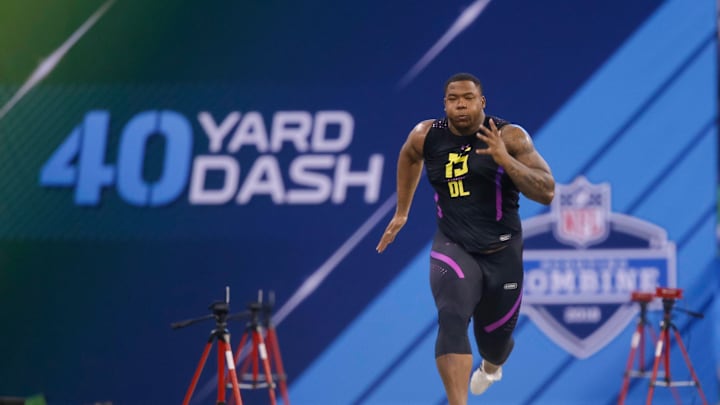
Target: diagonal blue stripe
(370,329)
(549,380)
(694,141)
(661,88)
(623,84)
(692,230)
(427,330)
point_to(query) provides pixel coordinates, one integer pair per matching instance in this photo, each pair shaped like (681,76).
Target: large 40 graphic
(80,160)
(456,167)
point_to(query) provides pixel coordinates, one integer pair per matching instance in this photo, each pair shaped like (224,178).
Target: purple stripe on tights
(437,205)
(505,318)
(498,193)
(450,262)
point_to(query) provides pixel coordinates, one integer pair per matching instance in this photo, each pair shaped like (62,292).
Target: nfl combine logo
(583,261)
(581,213)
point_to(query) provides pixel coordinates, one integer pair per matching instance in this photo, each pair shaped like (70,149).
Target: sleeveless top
(477,202)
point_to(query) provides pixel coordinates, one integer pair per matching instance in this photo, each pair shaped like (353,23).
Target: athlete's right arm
(409,169)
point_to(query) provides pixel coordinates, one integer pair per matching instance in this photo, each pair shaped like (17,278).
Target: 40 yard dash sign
(289,158)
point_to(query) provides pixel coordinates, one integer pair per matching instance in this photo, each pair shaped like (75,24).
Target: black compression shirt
(477,203)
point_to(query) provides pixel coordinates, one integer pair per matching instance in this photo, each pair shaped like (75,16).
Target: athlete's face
(464,106)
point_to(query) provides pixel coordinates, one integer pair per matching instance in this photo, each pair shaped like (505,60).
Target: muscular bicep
(533,160)
(528,170)
(409,168)
(521,147)
(412,149)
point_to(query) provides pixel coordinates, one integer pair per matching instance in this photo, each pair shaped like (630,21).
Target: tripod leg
(255,359)
(666,366)
(649,331)
(652,334)
(275,354)
(227,351)
(656,364)
(240,348)
(198,371)
(690,367)
(220,371)
(262,351)
(636,339)
(236,362)
(248,357)
(666,357)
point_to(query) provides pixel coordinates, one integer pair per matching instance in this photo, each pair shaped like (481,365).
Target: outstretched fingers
(389,235)
(387,238)
(493,139)
(490,136)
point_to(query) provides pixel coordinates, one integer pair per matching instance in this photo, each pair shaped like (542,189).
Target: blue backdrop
(154,155)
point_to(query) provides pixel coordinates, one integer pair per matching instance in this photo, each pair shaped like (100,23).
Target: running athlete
(477,165)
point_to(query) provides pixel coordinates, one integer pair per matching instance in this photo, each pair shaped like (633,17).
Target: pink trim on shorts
(450,262)
(505,318)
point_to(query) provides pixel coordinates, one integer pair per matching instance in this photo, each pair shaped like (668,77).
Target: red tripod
(638,343)
(274,345)
(225,357)
(265,349)
(662,350)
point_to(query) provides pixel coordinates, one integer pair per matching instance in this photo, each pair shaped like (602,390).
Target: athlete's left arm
(513,149)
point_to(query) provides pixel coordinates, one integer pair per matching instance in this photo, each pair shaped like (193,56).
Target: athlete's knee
(494,350)
(501,327)
(452,334)
(495,344)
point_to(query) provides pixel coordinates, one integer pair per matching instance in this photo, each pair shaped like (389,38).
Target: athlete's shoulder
(424,126)
(420,131)
(415,143)
(499,122)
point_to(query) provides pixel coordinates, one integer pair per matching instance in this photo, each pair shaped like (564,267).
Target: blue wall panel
(623,93)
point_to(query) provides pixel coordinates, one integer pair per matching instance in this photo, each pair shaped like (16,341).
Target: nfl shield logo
(582,263)
(582,212)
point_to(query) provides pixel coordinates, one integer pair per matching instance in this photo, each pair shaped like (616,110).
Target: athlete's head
(464,103)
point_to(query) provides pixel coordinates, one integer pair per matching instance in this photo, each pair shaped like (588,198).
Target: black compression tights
(484,288)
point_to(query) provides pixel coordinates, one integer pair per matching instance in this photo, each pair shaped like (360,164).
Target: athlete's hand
(495,144)
(396,223)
